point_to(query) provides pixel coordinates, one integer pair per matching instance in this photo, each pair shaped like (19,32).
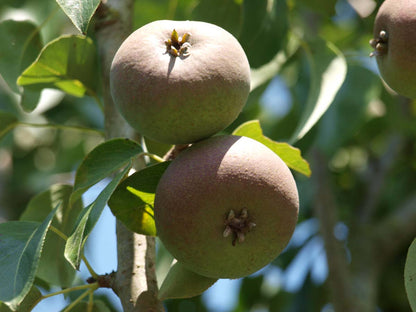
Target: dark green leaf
(250,292)
(349,109)
(410,275)
(29,99)
(53,267)
(7,122)
(87,220)
(264,29)
(322,7)
(67,63)
(328,70)
(4,307)
(103,160)
(224,13)
(79,12)
(132,201)
(183,283)
(20,45)
(20,250)
(289,154)
(30,301)
(269,70)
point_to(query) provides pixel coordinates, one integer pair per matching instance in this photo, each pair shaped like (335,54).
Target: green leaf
(132,201)
(20,45)
(410,275)
(164,260)
(20,250)
(67,63)
(269,70)
(79,12)
(326,8)
(183,283)
(29,99)
(224,13)
(4,307)
(328,70)
(7,122)
(349,109)
(53,267)
(87,220)
(289,154)
(30,301)
(264,29)
(250,292)
(98,306)
(103,160)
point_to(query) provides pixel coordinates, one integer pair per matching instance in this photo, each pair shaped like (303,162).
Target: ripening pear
(394,45)
(226,207)
(178,82)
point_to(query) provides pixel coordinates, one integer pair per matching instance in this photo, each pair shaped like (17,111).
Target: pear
(178,82)
(226,207)
(394,45)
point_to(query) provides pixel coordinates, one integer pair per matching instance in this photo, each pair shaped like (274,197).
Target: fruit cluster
(227,205)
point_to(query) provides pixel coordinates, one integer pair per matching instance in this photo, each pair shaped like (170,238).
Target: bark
(135,280)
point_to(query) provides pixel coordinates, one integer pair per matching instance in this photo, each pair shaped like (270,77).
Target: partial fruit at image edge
(178,82)
(226,207)
(394,45)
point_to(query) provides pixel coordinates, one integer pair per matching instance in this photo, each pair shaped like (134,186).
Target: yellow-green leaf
(133,200)
(289,154)
(67,63)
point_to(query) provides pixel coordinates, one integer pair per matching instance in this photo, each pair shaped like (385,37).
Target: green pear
(178,82)
(394,45)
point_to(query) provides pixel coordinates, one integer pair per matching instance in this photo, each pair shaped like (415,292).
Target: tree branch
(326,211)
(135,280)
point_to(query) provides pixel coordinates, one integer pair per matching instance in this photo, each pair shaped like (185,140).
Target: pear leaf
(133,200)
(87,219)
(328,71)
(68,63)
(102,161)
(79,12)
(289,154)
(21,245)
(183,283)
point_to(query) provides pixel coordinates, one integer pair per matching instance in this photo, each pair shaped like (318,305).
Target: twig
(174,151)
